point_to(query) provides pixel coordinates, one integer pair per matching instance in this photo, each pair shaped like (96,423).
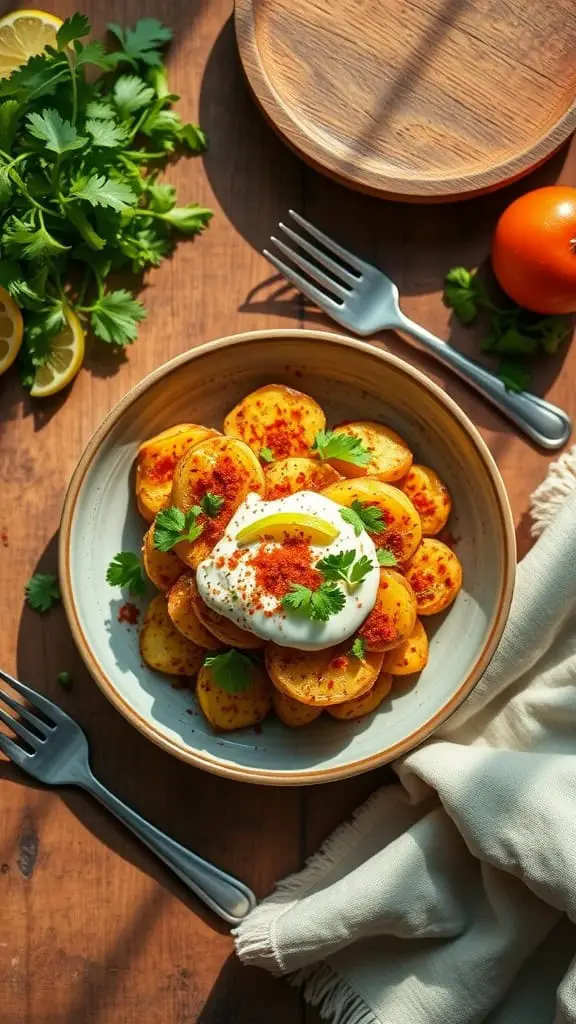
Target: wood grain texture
(414,99)
(92,930)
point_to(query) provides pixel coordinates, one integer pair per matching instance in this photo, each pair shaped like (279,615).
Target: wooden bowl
(420,101)
(350,379)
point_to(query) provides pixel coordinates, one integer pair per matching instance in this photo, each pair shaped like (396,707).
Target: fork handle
(223,893)
(544,423)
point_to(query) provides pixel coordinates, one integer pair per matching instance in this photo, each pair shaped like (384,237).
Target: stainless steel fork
(55,750)
(363,299)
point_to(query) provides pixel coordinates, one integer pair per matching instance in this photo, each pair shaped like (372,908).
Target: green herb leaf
(172,525)
(131,94)
(42,591)
(386,557)
(360,570)
(190,219)
(115,317)
(211,504)
(231,670)
(125,570)
(336,567)
(330,444)
(31,243)
(464,293)
(106,133)
(73,28)
(358,648)
(161,197)
(101,191)
(318,604)
(194,138)
(142,43)
(60,136)
(93,53)
(266,455)
(362,516)
(514,376)
(64,679)
(9,113)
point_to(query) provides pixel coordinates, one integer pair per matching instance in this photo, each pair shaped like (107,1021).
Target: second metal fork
(363,299)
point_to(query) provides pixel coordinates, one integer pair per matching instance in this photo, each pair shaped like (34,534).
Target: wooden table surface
(92,929)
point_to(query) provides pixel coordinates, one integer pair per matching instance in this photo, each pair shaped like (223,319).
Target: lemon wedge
(24,34)
(66,356)
(11,328)
(282,525)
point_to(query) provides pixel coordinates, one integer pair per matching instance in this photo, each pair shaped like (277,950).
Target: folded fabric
(449,899)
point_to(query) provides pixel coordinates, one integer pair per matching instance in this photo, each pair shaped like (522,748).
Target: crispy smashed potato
(182,600)
(156,462)
(222,628)
(162,567)
(390,456)
(278,418)
(162,647)
(292,712)
(367,702)
(435,575)
(228,711)
(430,498)
(321,678)
(403,531)
(393,617)
(222,466)
(411,655)
(287,476)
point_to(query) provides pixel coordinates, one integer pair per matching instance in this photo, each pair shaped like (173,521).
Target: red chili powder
(129,613)
(227,481)
(277,569)
(423,504)
(162,467)
(378,628)
(340,662)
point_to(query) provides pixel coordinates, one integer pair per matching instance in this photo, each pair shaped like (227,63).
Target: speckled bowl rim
(200,759)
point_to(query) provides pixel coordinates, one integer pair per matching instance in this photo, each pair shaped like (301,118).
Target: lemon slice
(11,327)
(282,525)
(66,355)
(24,34)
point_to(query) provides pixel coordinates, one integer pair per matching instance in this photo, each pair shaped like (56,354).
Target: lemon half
(282,525)
(24,34)
(66,356)
(11,328)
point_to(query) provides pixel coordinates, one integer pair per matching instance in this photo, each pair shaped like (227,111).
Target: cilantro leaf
(194,138)
(172,525)
(9,113)
(42,591)
(106,133)
(463,293)
(161,197)
(360,570)
(362,516)
(100,109)
(317,604)
(266,455)
(93,53)
(190,219)
(331,444)
(142,42)
(115,316)
(386,557)
(336,567)
(131,93)
(358,648)
(101,191)
(73,28)
(231,670)
(125,570)
(211,504)
(21,238)
(514,376)
(5,187)
(60,136)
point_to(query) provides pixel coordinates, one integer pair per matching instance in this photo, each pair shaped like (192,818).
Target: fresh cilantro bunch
(514,333)
(80,158)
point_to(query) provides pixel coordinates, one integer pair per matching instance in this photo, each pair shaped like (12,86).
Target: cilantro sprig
(328,599)
(232,670)
(386,557)
(345,566)
(358,648)
(513,333)
(80,198)
(362,516)
(125,570)
(172,526)
(266,455)
(42,591)
(211,504)
(332,444)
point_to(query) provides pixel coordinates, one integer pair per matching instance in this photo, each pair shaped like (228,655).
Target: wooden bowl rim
(387,186)
(201,759)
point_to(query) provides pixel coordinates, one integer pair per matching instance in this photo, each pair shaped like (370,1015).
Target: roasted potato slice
(162,647)
(430,498)
(287,476)
(390,456)
(403,528)
(393,617)
(435,575)
(226,631)
(292,712)
(321,678)
(222,466)
(228,711)
(367,702)
(182,601)
(278,418)
(410,656)
(162,567)
(156,462)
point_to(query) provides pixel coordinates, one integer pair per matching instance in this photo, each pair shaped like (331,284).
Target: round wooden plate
(414,99)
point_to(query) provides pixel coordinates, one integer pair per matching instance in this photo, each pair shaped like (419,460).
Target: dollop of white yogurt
(227,582)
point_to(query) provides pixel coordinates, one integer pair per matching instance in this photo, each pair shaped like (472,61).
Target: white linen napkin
(449,899)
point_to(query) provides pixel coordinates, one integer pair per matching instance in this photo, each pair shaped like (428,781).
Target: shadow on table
(245,994)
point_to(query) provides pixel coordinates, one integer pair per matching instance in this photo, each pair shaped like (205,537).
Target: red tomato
(534,250)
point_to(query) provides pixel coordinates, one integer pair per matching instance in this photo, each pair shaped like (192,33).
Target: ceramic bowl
(351,380)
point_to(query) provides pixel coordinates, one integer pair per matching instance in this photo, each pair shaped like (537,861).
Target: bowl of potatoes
(287,557)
